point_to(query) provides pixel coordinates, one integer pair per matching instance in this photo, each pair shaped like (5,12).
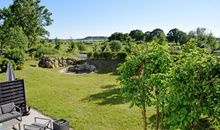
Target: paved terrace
(28,120)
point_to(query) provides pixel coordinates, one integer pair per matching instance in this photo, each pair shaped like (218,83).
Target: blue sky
(81,18)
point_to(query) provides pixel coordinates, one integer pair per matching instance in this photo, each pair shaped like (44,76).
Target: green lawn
(88,102)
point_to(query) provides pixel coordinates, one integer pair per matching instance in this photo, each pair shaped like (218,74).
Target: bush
(107,55)
(15,55)
(3,64)
(57,43)
(121,56)
(81,46)
(115,46)
(42,51)
(89,54)
(96,55)
(72,46)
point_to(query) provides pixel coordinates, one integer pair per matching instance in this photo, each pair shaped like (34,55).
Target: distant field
(88,102)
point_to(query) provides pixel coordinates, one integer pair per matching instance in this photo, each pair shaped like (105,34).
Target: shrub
(15,55)
(57,43)
(81,46)
(89,54)
(72,46)
(121,56)
(96,48)
(107,55)
(96,55)
(115,46)
(3,64)
(42,51)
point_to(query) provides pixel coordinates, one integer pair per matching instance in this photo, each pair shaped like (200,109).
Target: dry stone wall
(47,62)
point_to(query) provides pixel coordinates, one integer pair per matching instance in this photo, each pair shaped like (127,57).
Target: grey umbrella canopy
(10,73)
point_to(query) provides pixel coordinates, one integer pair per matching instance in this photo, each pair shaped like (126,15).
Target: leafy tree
(138,35)
(57,43)
(129,47)
(192,34)
(42,51)
(147,36)
(13,37)
(142,76)
(15,55)
(183,38)
(104,47)
(127,38)
(120,37)
(201,31)
(4,62)
(30,16)
(160,39)
(96,48)
(115,46)
(116,36)
(72,46)
(193,90)
(157,35)
(81,46)
(209,42)
(177,36)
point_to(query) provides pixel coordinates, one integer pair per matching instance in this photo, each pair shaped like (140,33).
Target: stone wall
(47,62)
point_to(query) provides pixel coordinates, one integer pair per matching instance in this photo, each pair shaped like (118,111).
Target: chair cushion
(5,117)
(7,108)
(16,114)
(9,116)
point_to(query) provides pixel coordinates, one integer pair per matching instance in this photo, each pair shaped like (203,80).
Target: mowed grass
(87,101)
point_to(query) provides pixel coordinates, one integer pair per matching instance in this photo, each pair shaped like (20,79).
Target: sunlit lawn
(88,102)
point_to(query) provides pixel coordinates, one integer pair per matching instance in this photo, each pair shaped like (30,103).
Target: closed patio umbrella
(10,73)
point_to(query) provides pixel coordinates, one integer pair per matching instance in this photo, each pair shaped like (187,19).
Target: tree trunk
(157,119)
(144,118)
(192,126)
(162,116)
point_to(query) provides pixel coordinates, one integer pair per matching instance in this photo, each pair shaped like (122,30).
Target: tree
(209,42)
(138,35)
(115,46)
(201,31)
(81,46)
(183,38)
(120,37)
(156,34)
(192,34)
(116,36)
(57,43)
(13,37)
(177,36)
(129,47)
(193,90)
(142,76)
(147,36)
(30,16)
(72,46)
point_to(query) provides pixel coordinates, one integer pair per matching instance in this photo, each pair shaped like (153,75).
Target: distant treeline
(174,35)
(86,39)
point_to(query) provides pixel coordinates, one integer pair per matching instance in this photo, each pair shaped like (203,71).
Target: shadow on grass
(108,86)
(109,96)
(203,124)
